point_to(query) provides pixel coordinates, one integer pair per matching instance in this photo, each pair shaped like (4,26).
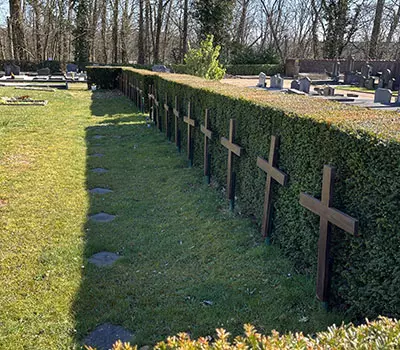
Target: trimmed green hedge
(381,334)
(366,268)
(239,69)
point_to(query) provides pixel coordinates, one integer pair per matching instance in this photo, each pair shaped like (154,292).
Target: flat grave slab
(99,170)
(98,155)
(98,137)
(104,259)
(99,190)
(105,335)
(102,217)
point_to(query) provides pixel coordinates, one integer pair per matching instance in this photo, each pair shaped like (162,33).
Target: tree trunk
(104,30)
(376,29)
(159,19)
(185,30)
(16,18)
(140,46)
(393,25)
(115,32)
(242,22)
(166,30)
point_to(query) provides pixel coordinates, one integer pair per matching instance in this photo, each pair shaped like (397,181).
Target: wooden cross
(207,136)
(157,105)
(166,109)
(151,101)
(273,173)
(177,131)
(232,149)
(190,123)
(328,216)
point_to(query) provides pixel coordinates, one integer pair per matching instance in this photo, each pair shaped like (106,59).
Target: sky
(3,12)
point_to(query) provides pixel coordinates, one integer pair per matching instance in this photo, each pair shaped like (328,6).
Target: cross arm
(206,132)
(231,146)
(189,121)
(336,217)
(275,173)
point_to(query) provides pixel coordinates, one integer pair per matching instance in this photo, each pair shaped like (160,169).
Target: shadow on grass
(186,263)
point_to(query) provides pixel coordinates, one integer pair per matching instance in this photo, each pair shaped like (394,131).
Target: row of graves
(382,99)
(323,208)
(42,79)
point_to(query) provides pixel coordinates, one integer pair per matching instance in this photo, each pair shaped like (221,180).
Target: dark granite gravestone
(71,67)
(44,71)
(160,68)
(99,190)
(295,84)
(99,170)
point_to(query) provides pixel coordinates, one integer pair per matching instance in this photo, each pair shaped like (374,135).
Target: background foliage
(366,268)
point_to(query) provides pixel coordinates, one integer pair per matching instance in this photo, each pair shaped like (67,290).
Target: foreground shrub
(381,334)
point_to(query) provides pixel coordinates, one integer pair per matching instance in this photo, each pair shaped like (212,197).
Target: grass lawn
(187,263)
(361,89)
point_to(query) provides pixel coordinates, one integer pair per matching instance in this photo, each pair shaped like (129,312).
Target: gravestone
(390,84)
(261,80)
(369,83)
(7,69)
(102,259)
(386,76)
(383,96)
(366,71)
(43,71)
(160,68)
(99,190)
(305,84)
(279,81)
(15,69)
(295,84)
(71,67)
(102,217)
(336,70)
(329,91)
(272,81)
(350,64)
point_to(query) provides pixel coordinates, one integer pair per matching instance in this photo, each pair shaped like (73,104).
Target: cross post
(151,97)
(207,136)
(177,131)
(232,149)
(328,216)
(190,123)
(157,109)
(273,173)
(166,109)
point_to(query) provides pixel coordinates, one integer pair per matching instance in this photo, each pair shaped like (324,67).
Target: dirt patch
(3,202)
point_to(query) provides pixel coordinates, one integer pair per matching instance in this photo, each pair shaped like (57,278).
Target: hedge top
(384,125)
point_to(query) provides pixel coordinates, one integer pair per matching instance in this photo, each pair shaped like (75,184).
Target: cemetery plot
(22,101)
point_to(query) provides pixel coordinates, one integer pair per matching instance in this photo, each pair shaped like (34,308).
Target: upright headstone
(295,84)
(383,96)
(390,84)
(272,81)
(15,69)
(160,68)
(71,67)
(7,69)
(305,84)
(279,82)
(262,77)
(386,76)
(369,83)
(329,91)
(336,70)
(350,64)
(43,71)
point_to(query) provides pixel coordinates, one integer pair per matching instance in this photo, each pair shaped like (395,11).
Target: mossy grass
(187,264)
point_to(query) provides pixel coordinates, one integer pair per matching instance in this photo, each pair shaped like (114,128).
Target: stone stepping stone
(105,335)
(99,190)
(103,259)
(98,155)
(102,217)
(98,137)
(99,170)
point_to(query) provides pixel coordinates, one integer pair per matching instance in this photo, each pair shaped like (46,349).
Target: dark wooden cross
(150,95)
(207,136)
(156,109)
(177,131)
(232,149)
(328,216)
(273,173)
(190,123)
(166,109)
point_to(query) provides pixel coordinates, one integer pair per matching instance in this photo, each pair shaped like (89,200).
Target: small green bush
(203,61)
(381,334)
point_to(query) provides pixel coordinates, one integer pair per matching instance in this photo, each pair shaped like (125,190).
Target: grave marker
(177,131)
(166,109)
(295,84)
(261,80)
(305,84)
(328,216)
(273,173)
(232,149)
(190,123)
(207,136)
(383,96)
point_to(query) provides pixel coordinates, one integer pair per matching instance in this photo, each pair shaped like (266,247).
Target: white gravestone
(262,77)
